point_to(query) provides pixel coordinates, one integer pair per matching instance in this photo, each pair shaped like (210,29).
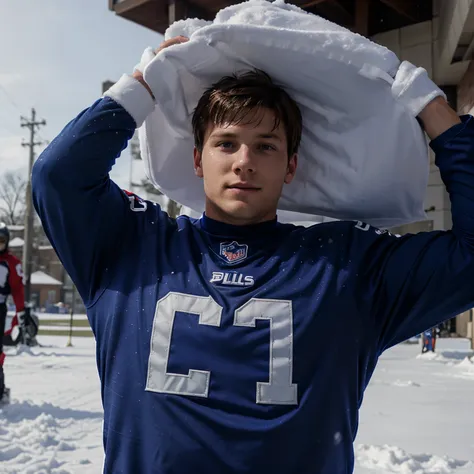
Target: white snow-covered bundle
(363,154)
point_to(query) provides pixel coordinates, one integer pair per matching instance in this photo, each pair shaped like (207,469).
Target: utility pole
(32,124)
(471,327)
(71,314)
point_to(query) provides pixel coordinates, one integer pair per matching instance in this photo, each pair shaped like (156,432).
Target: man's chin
(240,209)
(237,211)
(244,212)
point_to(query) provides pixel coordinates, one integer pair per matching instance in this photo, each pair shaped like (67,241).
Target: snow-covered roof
(41,278)
(45,247)
(16,227)
(16,242)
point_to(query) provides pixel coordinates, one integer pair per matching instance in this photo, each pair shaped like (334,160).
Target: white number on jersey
(279,390)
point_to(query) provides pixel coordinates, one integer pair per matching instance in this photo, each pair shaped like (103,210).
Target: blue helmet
(4,237)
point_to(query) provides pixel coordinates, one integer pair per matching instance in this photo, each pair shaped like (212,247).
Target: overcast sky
(54,56)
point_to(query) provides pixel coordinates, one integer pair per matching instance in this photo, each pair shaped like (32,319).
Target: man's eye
(267,147)
(226,145)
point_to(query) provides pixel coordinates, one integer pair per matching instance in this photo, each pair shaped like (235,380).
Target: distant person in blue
(428,340)
(233,343)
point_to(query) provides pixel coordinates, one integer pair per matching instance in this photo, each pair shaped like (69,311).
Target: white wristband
(133,97)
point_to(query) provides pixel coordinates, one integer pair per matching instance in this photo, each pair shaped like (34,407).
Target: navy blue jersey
(225,349)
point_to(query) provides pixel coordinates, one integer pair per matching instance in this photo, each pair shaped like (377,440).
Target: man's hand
(171,42)
(176,40)
(437,117)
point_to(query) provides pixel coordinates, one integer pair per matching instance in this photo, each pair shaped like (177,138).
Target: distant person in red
(11,283)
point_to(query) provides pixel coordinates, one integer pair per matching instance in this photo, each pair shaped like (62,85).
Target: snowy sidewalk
(417,416)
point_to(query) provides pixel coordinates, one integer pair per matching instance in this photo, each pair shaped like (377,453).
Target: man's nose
(244,161)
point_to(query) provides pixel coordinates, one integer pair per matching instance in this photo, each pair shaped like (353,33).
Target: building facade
(50,284)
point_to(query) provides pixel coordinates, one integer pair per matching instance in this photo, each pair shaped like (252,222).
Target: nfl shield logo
(234,252)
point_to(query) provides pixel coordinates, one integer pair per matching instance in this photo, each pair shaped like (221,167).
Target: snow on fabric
(363,155)
(413,419)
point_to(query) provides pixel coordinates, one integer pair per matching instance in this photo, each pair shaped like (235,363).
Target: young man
(233,343)
(11,283)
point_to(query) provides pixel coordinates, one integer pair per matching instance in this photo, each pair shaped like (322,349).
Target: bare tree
(12,197)
(173,209)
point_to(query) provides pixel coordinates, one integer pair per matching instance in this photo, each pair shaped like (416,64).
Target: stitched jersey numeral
(278,390)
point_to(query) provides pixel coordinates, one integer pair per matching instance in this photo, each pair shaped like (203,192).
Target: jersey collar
(252,231)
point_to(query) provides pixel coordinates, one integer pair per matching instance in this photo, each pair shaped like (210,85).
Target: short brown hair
(239,97)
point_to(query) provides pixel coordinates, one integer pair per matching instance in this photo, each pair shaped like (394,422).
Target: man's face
(244,168)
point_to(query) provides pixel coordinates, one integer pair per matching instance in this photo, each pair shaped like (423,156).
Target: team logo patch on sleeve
(137,204)
(233,252)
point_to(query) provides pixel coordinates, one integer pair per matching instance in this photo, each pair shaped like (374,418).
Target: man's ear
(291,169)
(198,163)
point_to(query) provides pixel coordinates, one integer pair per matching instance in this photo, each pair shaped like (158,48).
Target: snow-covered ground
(418,412)
(417,417)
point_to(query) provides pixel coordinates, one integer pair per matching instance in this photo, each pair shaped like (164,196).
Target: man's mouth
(244,187)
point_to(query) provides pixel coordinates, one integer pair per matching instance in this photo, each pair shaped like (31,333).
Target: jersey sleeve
(15,280)
(86,216)
(414,282)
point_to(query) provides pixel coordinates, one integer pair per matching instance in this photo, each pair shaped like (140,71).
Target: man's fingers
(171,42)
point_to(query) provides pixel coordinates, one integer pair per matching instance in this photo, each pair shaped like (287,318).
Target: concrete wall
(456,22)
(462,322)
(413,43)
(466,91)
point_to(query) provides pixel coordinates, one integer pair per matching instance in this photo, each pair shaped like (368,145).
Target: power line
(14,105)
(12,102)
(43,140)
(7,129)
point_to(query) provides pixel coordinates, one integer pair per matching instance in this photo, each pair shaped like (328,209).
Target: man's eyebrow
(273,136)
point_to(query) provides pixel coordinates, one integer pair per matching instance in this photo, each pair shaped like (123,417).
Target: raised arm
(84,213)
(86,216)
(414,282)
(438,117)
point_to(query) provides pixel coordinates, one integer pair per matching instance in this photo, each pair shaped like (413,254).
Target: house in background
(46,290)
(50,283)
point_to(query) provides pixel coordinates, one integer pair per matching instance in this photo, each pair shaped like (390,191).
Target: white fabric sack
(363,154)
